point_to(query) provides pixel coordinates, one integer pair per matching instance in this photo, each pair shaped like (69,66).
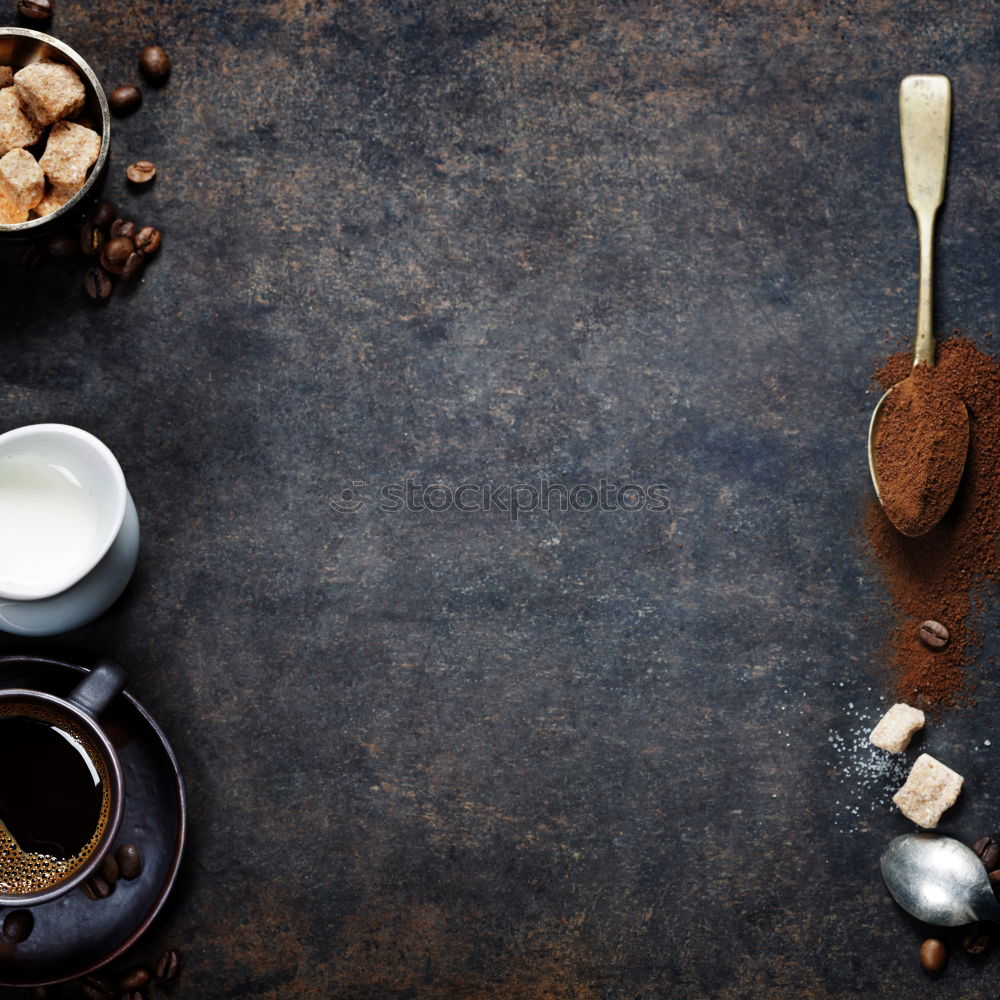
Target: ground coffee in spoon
(919,446)
(945,574)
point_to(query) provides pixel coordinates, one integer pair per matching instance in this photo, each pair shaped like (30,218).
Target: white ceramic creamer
(49,524)
(68,529)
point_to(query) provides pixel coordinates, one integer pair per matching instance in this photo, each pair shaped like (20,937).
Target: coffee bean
(988,851)
(129,861)
(97,887)
(933,634)
(109,868)
(97,286)
(135,979)
(124,100)
(103,214)
(131,995)
(168,964)
(32,256)
(39,993)
(976,939)
(62,246)
(35,10)
(154,64)
(933,955)
(148,240)
(994,878)
(97,988)
(91,239)
(141,172)
(123,227)
(133,266)
(115,252)
(17,925)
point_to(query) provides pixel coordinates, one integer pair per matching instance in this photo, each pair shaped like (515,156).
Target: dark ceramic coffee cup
(62,794)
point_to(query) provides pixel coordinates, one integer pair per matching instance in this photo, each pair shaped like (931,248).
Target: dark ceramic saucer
(74,935)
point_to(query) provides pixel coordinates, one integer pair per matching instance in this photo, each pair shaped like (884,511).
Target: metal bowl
(20,47)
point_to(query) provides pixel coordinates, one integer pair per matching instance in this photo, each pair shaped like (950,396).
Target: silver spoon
(938,880)
(924,130)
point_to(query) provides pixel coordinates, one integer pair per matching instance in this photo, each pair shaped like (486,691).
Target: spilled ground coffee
(945,574)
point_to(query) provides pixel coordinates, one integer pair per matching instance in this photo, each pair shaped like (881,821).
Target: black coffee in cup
(55,797)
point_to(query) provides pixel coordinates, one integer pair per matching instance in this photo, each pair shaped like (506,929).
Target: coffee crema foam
(22,872)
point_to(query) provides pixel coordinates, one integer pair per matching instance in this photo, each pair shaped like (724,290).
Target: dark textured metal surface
(584,754)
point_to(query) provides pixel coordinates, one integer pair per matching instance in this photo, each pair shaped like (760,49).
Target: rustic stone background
(583,755)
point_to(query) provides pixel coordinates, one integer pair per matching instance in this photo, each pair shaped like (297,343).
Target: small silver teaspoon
(938,880)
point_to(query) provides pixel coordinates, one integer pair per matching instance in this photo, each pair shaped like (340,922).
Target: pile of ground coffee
(944,574)
(919,445)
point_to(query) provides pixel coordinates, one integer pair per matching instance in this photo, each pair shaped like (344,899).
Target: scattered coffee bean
(168,964)
(135,979)
(104,214)
(97,286)
(141,172)
(933,955)
(35,10)
(123,227)
(131,995)
(148,240)
(115,252)
(994,878)
(125,100)
(133,266)
(109,868)
(39,993)
(32,256)
(988,851)
(62,246)
(97,988)
(976,939)
(91,239)
(129,861)
(933,634)
(99,886)
(154,64)
(17,925)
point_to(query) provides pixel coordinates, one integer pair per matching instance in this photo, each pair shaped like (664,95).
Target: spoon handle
(924,128)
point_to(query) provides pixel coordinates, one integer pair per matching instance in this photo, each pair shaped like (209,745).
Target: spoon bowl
(938,880)
(938,471)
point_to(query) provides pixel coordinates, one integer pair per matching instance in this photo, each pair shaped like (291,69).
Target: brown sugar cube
(10,214)
(896,728)
(6,76)
(929,790)
(49,91)
(16,128)
(54,198)
(21,178)
(71,150)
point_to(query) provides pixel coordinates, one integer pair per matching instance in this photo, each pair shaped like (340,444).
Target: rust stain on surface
(426,950)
